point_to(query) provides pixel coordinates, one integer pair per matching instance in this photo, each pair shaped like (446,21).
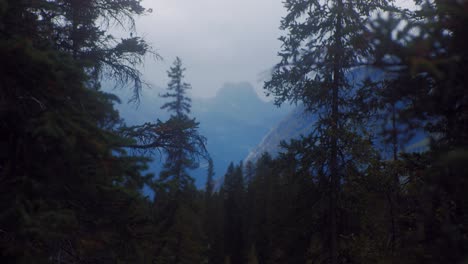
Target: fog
(219,41)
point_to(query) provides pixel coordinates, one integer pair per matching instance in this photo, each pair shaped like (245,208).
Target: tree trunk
(334,171)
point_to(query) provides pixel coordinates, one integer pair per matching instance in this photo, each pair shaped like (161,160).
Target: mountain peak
(237,91)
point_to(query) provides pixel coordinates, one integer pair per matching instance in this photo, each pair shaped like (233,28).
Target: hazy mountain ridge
(300,122)
(234,122)
(297,123)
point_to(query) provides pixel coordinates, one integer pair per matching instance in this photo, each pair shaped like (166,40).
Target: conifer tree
(187,145)
(323,44)
(210,222)
(178,215)
(85,35)
(233,193)
(69,192)
(427,51)
(209,188)
(177,91)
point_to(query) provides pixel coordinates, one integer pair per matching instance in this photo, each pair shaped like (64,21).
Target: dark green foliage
(233,192)
(209,219)
(177,91)
(386,206)
(69,191)
(188,146)
(179,228)
(434,60)
(178,213)
(63,188)
(209,188)
(215,230)
(323,44)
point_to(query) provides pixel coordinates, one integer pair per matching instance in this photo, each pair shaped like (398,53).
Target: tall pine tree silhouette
(324,42)
(178,214)
(187,146)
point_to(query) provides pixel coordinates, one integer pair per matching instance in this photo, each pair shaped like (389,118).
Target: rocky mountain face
(234,122)
(298,122)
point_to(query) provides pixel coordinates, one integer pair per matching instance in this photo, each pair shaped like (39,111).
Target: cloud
(218,40)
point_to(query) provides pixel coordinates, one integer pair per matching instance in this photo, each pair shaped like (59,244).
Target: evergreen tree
(216,250)
(209,188)
(233,194)
(187,145)
(69,192)
(428,53)
(324,43)
(249,172)
(210,211)
(85,35)
(178,214)
(180,106)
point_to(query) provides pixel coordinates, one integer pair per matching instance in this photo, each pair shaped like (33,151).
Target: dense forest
(72,172)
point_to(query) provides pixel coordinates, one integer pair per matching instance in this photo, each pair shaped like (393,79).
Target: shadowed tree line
(71,171)
(357,189)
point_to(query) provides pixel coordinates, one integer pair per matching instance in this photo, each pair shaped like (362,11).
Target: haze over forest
(232,132)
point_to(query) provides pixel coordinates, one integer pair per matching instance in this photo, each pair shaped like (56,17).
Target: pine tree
(432,58)
(69,192)
(85,35)
(180,224)
(209,188)
(249,172)
(187,145)
(216,251)
(324,43)
(233,194)
(180,105)
(210,211)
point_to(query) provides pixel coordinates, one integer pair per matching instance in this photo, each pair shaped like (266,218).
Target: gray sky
(218,40)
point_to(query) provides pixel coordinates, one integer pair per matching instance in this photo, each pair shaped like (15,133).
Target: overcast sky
(218,40)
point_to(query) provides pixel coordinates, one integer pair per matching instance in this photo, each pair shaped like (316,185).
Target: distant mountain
(297,123)
(300,122)
(233,121)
